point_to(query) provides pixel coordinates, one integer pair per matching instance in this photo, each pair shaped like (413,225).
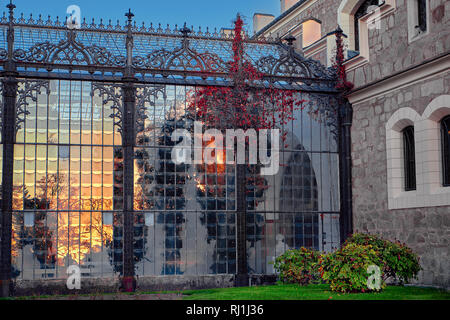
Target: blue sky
(204,13)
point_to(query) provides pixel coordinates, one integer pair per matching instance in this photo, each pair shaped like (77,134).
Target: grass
(314,292)
(284,292)
(87,295)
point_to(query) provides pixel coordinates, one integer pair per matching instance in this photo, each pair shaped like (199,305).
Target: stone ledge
(148,284)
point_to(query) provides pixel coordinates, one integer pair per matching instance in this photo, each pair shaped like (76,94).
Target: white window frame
(346,12)
(430,190)
(398,197)
(437,110)
(413,20)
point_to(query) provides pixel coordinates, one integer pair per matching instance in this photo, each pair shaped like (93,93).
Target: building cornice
(425,70)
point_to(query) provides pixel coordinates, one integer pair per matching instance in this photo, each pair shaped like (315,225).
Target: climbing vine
(342,83)
(244,104)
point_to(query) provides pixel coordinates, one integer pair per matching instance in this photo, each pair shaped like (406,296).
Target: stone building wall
(389,50)
(320,56)
(318,10)
(425,230)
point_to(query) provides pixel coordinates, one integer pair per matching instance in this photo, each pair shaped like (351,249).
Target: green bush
(346,269)
(399,261)
(298,266)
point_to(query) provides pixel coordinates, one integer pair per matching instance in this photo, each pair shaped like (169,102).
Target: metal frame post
(128,142)
(10,84)
(345,164)
(9,120)
(242,277)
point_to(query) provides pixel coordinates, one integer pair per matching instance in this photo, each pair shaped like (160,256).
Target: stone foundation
(144,284)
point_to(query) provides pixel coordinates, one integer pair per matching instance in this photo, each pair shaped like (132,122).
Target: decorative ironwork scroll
(3,54)
(111,93)
(183,59)
(324,109)
(190,57)
(293,65)
(146,94)
(68,51)
(28,89)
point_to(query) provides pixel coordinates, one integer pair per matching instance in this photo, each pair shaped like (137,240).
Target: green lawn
(313,292)
(275,292)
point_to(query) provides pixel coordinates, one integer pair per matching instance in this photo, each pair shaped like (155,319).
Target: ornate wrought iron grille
(86,122)
(156,56)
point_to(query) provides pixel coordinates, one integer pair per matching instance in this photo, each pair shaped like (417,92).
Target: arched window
(363,9)
(409,158)
(299,193)
(445,134)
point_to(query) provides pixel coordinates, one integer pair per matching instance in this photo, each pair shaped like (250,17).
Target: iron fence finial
(11,6)
(129,15)
(185,30)
(290,40)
